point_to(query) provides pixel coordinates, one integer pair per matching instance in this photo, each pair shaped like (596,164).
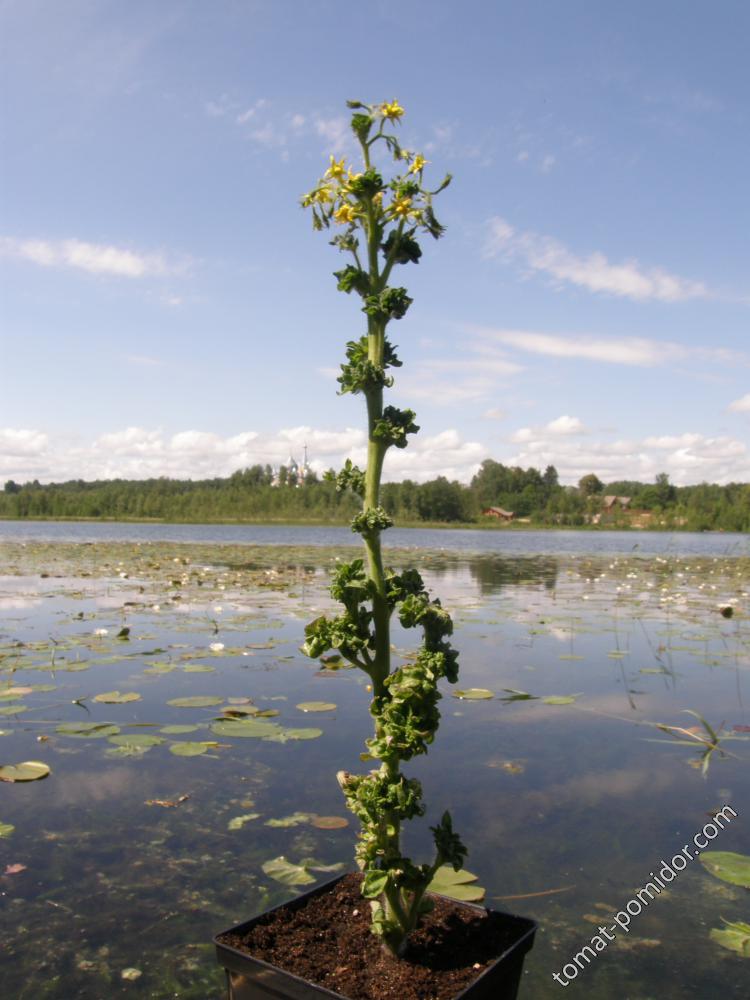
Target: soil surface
(328,942)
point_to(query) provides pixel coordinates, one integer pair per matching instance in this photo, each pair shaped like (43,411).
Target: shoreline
(492,526)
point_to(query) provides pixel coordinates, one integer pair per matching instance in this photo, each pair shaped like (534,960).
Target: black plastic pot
(250,978)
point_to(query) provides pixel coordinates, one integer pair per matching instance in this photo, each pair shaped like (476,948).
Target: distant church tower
(296,474)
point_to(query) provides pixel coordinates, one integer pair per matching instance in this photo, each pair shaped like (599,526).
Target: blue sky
(167,309)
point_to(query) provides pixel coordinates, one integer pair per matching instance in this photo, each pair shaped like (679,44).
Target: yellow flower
(336,169)
(392,110)
(323,195)
(377,199)
(418,164)
(401,207)
(345,214)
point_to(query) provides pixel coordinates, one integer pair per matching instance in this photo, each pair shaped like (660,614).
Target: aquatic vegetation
(734,869)
(705,736)
(728,866)
(145,833)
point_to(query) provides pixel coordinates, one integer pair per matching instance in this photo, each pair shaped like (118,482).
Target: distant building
(503,515)
(296,474)
(611,506)
(610,503)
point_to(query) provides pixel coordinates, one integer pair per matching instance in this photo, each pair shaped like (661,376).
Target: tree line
(254,494)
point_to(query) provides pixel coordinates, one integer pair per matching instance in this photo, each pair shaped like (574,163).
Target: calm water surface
(511,542)
(124,861)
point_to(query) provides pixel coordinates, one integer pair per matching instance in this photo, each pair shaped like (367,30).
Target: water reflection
(557,782)
(492,573)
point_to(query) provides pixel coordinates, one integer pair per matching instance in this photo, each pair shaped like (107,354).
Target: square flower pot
(250,978)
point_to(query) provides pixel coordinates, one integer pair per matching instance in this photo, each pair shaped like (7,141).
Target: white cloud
(245,116)
(548,163)
(687,458)
(495,413)
(95,258)
(741,405)
(445,454)
(593,272)
(141,453)
(335,131)
(268,135)
(672,441)
(143,360)
(566,425)
(449,381)
(22,442)
(24,454)
(563,426)
(638,351)
(216,109)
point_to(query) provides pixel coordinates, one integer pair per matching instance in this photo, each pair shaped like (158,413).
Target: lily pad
(116,698)
(329,822)
(178,730)
(559,699)
(186,748)
(729,867)
(474,694)
(11,694)
(287,873)
(160,668)
(239,821)
(29,770)
(246,728)
(6,829)
(296,819)
(514,694)
(734,937)
(317,706)
(128,751)
(13,709)
(87,730)
(456,885)
(295,734)
(196,701)
(136,740)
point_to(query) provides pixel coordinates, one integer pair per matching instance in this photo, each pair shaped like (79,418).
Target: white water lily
(101,631)
(216,647)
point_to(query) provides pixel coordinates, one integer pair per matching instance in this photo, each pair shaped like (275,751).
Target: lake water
(125,860)
(510,541)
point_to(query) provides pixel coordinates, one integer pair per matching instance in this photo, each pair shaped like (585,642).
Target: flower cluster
(347,198)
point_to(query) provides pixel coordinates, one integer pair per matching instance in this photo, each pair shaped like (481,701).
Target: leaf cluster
(360,373)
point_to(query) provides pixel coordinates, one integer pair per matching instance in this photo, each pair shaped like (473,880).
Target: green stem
(391,256)
(412,916)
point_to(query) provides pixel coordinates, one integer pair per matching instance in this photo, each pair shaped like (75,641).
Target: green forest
(532,497)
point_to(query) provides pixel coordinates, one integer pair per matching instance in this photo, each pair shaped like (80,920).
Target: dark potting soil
(328,942)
